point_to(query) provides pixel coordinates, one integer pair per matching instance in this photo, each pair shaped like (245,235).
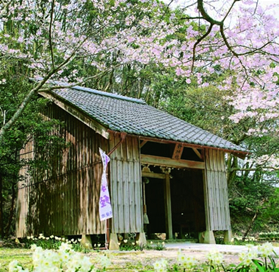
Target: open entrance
(186,200)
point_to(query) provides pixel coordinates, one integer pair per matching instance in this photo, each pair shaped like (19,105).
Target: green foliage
(13,89)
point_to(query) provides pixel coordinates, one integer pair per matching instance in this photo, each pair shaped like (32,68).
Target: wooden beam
(168,162)
(78,114)
(153,175)
(143,143)
(197,153)
(177,152)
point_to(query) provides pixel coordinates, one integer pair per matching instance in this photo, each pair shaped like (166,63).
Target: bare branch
(264,168)
(170,3)
(192,18)
(50,32)
(196,44)
(205,15)
(257,3)
(229,10)
(28,97)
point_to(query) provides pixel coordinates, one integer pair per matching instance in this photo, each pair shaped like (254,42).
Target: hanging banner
(105,210)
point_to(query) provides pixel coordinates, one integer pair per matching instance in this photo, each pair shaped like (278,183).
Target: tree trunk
(250,225)
(231,163)
(29,96)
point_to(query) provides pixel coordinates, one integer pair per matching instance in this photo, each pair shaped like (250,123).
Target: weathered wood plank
(128,180)
(131,182)
(120,218)
(216,191)
(177,152)
(125,180)
(162,161)
(138,186)
(153,175)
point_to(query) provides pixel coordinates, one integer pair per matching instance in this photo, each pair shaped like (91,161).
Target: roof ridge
(85,89)
(112,95)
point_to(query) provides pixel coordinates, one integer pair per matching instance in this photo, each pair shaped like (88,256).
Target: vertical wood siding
(23,191)
(64,199)
(216,191)
(126,186)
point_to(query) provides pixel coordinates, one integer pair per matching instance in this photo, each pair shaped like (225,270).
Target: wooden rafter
(197,153)
(238,153)
(143,143)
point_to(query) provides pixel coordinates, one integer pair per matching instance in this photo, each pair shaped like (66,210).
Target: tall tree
(51,35)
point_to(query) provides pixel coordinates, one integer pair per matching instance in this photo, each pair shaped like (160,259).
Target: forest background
(211,63)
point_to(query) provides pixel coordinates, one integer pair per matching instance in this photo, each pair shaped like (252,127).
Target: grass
(24,256)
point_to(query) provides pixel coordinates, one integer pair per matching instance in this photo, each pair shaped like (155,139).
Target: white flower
(186,262)
(161,266)
(215,257)
(33,247)
(266,250)
(104,261)
(65,247)
(13,266)
(246,257)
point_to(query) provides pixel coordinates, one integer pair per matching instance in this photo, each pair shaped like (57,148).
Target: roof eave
(77,113)
(239,153)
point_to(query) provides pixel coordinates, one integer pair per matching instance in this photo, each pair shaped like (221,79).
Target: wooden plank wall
(126,186)
(65,199)
(23,192)
(216,191)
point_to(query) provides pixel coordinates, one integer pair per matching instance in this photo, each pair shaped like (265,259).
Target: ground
(121,260)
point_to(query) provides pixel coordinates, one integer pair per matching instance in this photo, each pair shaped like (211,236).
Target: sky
(224,4)
(262,2)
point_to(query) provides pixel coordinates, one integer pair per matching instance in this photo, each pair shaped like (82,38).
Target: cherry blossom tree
(236,40)
(50,37)
(229,46)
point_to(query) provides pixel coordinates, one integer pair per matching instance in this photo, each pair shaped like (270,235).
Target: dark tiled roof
(134,116)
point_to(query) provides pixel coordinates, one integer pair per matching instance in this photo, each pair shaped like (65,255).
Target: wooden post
(86,241)
(142,240)
(113,242)
(168,214)
(228,237)
(208,237)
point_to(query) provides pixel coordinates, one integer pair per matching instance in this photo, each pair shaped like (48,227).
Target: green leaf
(259,265)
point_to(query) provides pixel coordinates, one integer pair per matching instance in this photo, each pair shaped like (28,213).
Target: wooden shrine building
(173,168)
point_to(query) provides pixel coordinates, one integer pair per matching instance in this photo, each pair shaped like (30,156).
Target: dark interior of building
(187,195)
